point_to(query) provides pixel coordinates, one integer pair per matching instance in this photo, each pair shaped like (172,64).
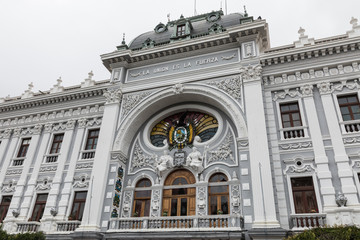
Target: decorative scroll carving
(131,100)
(223,152)
(228,57)
(351,140)
(44,184)
(48,169)
(126,207)
(231,86)
(325,87)
(81,181)
(82,122)
(94,122)
(286,92)
(14,172)
(155,203)
(201,200)
(235,199)
(292,146)
(120,157)
(10,187)
(113,95)
(140,160)
(6,133)
(251,72)
(84,165)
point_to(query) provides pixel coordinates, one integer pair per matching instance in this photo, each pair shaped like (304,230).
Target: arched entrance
(179,196)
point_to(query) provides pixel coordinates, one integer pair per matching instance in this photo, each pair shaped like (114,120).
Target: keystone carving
(251,72)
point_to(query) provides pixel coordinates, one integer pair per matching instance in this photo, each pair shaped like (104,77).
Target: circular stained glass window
(180,129)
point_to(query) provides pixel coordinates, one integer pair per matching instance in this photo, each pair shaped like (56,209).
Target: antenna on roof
(123,41)
(195,8)
(168,16)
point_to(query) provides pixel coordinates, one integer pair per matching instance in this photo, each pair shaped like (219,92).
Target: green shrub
(329,233)
(21,236)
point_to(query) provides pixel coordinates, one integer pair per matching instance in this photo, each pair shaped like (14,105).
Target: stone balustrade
(293,132)
(176,223)
(67,226)
(308,220)
(27,227)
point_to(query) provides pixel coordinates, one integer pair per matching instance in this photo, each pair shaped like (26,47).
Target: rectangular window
(92,139)
(39,207)
(78,206)
(349,107)
(4,207)
(304,195)
(180,31)
(56,145)
(290,115)
(24,147)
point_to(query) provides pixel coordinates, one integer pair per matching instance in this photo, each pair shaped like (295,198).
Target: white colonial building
(203,131)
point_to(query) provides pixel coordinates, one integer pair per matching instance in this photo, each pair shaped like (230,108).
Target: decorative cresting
(231,86)
(180,129)
(118,188)
(113,95)
(251,72)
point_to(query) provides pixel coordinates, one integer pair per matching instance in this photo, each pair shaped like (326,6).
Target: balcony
(293,132)
(188,223)
(27,227)
(308,220)
(51,158)
(88,154)
(350,126)
(18,161)
(67,226)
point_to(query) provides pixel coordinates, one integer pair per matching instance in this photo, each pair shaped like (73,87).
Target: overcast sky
(41,40)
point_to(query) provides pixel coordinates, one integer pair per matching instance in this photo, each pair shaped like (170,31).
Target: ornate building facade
(202,131)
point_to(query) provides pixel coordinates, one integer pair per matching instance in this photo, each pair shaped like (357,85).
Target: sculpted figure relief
(164,163)
(194,160)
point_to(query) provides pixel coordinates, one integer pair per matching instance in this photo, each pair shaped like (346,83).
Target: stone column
(342,160)
(20,187)
(47,220)
(262,182)
(96,194)
(4,139)
(321,160)
(69,179)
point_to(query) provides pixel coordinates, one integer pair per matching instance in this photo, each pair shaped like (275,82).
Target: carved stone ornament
(325,87)
(341,200)
(126,204)
(15,213)
(251,72)
(6,133)
(53,212)
(37,129)
(201,200)
(164,163)
(307,90)
(195,160)
(113,95)
(120,157)
(351,85)
(155,203)
(178,88)
(140,160)
(48,168)
(94,122)
(231,86)
(82,122)
(84,165)
(292,146)
(351,140)
(10,187)
(70,124)
(81,181)
(223,152)
(43,184)
(48,127)
(131,100)
(287,92)
(14,172)
(235,199)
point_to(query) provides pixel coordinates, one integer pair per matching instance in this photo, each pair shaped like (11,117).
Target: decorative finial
(301,32)
(31,85)
(123,41)
(354,22)
(181,16)
(59,81)
(245,12)
(91,74)
(168,17)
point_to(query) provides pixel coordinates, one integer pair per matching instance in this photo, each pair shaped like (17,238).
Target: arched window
(218,194)
(179,197)
(142,198)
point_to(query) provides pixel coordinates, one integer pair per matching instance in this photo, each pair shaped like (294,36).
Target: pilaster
(321,160)
(345,173)
(262,184)
(95,197)
(4,139)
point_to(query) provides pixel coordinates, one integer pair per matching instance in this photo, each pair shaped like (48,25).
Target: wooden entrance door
(179,197)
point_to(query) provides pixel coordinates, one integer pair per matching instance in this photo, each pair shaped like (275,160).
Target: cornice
(321,48)
(48,99)
(231,36)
